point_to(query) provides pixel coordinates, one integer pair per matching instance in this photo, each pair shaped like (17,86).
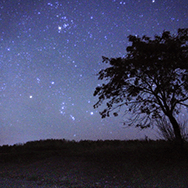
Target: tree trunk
(177,131)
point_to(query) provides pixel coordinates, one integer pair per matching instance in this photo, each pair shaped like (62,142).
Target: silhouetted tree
(151,80)
(165,129)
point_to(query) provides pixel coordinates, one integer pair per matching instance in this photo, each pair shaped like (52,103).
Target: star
(59,28)
(72,117)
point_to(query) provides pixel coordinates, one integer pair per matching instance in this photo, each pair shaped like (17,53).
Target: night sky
(50,52)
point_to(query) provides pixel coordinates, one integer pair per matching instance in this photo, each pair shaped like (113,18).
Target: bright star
(72,117)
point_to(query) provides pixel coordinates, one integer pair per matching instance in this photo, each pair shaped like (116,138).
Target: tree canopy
(151,80)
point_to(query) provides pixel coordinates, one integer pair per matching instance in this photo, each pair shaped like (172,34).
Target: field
(110,164)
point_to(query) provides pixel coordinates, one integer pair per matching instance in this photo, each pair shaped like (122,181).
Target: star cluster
(50,52)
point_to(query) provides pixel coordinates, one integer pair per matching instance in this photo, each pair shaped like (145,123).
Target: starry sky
(50,52)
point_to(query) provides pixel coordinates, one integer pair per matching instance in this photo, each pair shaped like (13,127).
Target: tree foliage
(151,80)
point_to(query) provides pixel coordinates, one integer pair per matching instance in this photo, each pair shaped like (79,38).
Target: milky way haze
(50,52)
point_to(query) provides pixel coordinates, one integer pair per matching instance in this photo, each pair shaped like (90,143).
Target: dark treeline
(83,145)
(52,144)
(113,150)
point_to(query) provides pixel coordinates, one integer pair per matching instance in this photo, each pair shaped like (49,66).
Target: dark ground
(110,164)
